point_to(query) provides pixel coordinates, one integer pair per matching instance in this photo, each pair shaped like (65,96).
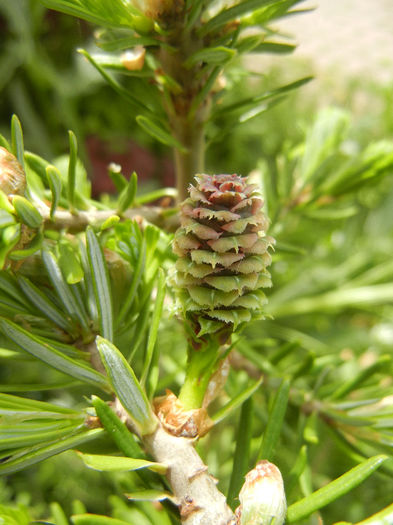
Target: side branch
(199,500)
(77,222)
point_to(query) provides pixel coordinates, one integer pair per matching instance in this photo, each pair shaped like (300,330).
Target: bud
(133,59)
(177,420)
(12,175)
(262,497)
(223,254)
(160,10)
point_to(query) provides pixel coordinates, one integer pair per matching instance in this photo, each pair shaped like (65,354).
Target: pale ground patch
(349,37)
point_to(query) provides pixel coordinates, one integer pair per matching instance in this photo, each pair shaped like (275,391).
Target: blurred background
(352,38)
(347,46)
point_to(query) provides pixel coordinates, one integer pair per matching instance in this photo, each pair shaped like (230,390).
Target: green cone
(223,254)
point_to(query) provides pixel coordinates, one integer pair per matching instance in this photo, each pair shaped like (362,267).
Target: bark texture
(199,500)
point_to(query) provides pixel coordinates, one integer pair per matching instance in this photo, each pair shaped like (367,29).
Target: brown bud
(163,9)
(178,421)
(160,10)
(12,175)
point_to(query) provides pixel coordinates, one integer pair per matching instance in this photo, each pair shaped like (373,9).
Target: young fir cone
(223,254)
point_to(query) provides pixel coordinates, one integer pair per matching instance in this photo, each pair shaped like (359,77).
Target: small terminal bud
(154,10)
(161,9)
(12,175)
(262,497)
(134,59)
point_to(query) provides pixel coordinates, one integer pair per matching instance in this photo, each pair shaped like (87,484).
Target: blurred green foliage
(52,88)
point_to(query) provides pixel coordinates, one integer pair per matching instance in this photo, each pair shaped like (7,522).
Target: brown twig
(77,222)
